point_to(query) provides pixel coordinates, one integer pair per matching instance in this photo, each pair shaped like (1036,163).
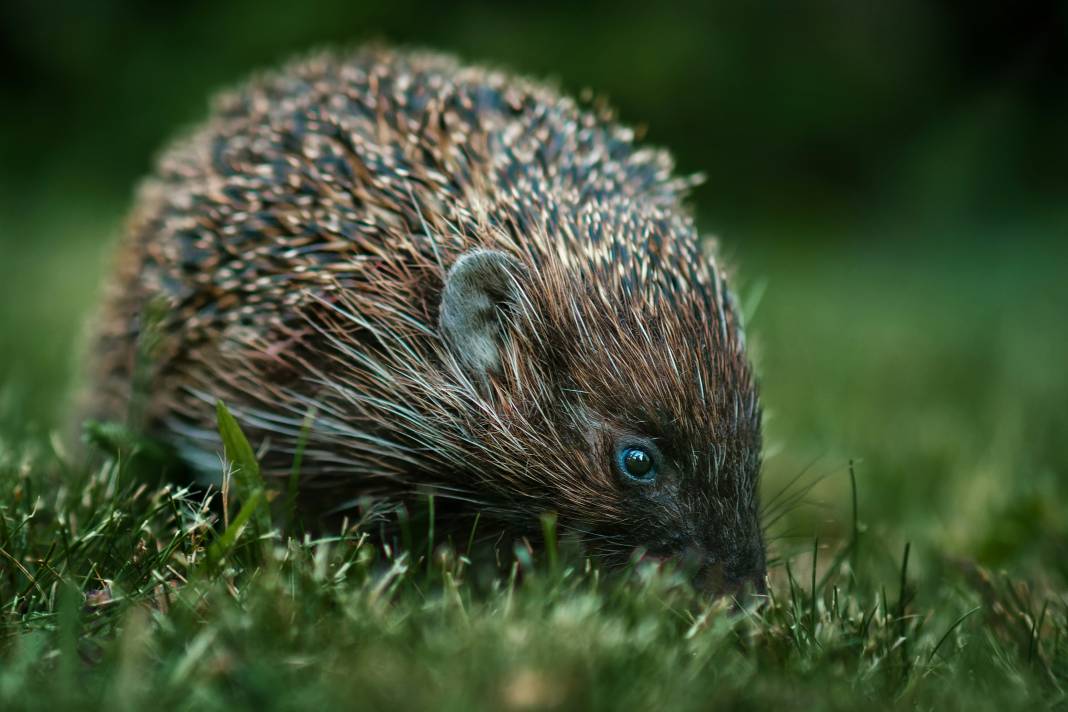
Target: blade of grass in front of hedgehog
(247,476)
(548,530)
(293,487)
(225,543)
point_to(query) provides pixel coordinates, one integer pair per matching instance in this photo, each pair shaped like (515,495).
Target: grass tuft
(120,592)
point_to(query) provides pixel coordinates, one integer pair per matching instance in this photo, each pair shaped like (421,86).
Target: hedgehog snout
(730,570)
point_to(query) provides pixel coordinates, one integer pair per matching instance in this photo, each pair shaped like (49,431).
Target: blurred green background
(889,176)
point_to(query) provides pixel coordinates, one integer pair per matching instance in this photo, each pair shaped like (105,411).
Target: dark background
(890,176)
(846,112)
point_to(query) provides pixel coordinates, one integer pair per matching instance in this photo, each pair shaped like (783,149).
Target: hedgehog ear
(479,288)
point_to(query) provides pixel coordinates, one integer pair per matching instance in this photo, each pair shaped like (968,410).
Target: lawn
(915,392)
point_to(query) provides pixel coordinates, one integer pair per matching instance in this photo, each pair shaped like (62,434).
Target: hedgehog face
(652,409)
(698,508)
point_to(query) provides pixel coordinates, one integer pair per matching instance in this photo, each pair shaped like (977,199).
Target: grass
(928,574)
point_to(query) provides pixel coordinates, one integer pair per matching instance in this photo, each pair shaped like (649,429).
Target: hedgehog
(428,277)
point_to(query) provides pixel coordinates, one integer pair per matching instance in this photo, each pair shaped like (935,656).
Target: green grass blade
(221,547)
(247,477)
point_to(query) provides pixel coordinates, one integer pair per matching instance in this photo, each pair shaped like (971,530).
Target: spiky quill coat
(296,246)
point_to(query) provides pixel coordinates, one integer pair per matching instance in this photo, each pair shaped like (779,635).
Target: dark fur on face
(478,287)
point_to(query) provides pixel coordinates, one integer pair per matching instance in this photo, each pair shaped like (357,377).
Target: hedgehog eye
(637,463)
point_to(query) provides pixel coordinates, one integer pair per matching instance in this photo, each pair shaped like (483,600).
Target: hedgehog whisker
(768,504)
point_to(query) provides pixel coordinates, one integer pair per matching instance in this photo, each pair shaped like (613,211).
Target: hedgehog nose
(720,580)
(733,575)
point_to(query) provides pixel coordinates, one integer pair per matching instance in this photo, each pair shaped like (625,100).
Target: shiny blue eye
(637,464)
